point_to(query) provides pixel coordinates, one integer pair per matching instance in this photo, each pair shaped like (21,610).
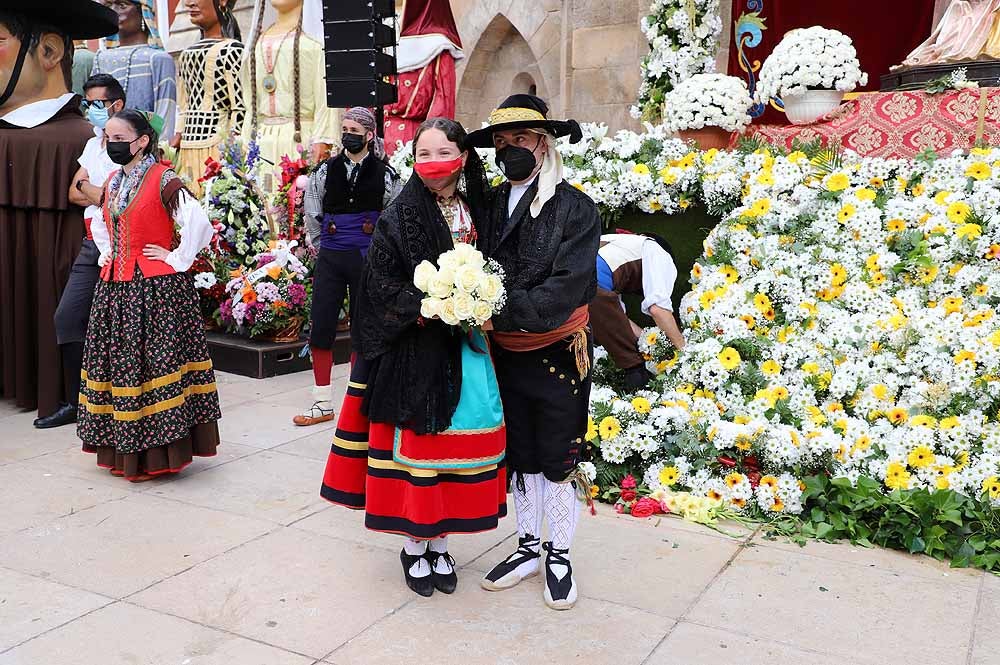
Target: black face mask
(120,152)
(353,143)
(516,162)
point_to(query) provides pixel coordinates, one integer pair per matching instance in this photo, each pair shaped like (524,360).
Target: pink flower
(619,508)
(628,482)
(302,182)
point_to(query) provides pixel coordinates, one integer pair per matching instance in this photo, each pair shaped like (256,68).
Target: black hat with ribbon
(73,19)
(76,19)
(523,112)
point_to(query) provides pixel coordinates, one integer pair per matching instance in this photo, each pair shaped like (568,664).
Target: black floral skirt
(148,402)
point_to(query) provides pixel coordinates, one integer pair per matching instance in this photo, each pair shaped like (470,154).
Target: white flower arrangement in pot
(810,70)
(707,108)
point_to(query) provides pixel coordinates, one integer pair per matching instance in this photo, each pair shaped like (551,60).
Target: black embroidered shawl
(416,371)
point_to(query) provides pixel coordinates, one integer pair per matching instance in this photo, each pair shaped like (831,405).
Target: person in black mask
(545,234)
(343,201)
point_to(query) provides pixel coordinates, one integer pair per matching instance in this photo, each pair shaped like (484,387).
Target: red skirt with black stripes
(419,503)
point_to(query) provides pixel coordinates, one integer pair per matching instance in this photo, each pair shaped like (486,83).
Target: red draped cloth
(884,31)
(901,124)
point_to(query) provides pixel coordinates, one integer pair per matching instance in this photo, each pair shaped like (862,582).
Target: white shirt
(196,232)
(37,113)
(99,167)
(658,270)
(516,193)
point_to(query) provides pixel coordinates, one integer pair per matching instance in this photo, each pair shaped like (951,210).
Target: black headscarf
(416,374)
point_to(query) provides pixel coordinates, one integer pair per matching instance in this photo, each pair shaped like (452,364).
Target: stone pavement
(238,560)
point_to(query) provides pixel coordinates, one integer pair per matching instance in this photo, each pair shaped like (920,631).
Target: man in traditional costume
(344,199)
(210,102)
(136,58)
(428,47)
(42,133)
(284,80)
(104,98)
(635,265)
(545,234)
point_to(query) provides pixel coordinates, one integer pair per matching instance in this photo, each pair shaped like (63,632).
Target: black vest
(367,193)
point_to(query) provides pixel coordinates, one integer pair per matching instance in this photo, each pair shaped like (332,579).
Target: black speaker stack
(360,44)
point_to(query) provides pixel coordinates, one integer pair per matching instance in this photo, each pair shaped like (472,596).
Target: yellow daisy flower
(610,428)
(729,358)
(921,457)
(837,182)
(669,476)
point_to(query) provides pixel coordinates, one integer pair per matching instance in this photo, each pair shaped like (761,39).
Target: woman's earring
(142,21)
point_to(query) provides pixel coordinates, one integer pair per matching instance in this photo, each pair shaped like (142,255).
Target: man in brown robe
(42,133)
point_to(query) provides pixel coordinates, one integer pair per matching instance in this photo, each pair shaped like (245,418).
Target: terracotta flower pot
(707,138)
(811,106)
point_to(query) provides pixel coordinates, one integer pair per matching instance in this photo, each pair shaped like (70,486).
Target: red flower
(751,463)
(645,507)
(212,169)
(754,478)
(628,482)
(727,462)
(619,508)
(628,495)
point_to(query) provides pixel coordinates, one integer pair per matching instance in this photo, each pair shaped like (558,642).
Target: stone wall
(582,56)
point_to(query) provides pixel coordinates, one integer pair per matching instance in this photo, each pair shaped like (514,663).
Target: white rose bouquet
(813,58)
(707,100)
(463,290)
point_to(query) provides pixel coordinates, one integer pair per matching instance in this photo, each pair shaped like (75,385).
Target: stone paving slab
(239,561)
(838,608)
(124,634)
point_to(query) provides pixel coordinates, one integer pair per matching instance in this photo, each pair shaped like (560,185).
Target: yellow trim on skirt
(152,409)
(148,386)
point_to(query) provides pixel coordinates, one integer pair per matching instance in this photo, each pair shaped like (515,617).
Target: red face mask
(437,175)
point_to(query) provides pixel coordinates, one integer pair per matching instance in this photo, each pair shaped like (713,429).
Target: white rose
(449,261)
(482,311)
(467,278)
(439,286)
(423,275)
(464,306)
(448,312)
(431,307)
(490,288)
(469,255)
(447,273)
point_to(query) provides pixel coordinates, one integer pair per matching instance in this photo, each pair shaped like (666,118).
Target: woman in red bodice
(148,402)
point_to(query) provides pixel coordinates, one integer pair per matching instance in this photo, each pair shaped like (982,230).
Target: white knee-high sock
(529,503)
(562,508)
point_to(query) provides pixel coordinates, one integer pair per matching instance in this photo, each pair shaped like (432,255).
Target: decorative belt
(575,328)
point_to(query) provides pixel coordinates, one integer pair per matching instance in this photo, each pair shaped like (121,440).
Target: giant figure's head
(36,46)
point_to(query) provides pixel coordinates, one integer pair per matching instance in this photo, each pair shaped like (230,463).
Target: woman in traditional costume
(284,77)
(135,57)
(148,401)
(420,441)
(210,102)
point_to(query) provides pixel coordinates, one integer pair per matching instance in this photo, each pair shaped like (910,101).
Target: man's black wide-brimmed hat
(76,19)
(524,112)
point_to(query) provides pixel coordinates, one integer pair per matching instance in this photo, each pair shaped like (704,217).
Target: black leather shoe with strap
(421,585)
(443,582)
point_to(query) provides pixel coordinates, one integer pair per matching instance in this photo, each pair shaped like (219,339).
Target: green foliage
(943,524)
(826,161)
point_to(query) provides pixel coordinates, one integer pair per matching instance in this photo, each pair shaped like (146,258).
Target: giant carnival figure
(284,77)
(42,134)
(429,45)
(210,104)
(135,57)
